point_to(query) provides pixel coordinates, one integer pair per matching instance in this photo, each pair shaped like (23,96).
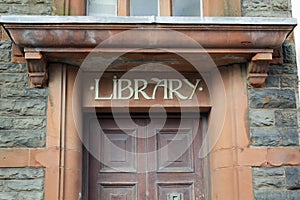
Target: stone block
(274,137)
(294,195)
(31,196)
(6,123)
(5,56)
(272,81)
(5,44)
(21,94)
(272,98)
(29,123)
(280,5)
(261,118)
(271,195)
(277,195)
(267,171)
(256,5)
(21,173)
(24,185)
(22,139)
(4,9)
(13,68)
(286,118)
(14,1)
(282,14)
(292,178)
(282,69)
(31,9)
(23,108)
(269,183)
(8,195)
(289,53)
(289,81)
(14,80)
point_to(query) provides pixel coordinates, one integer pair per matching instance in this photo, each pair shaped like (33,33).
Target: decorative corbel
(37,69)
(258,69)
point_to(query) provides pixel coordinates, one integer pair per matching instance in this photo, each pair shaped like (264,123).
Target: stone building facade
(23,111)
(272,121)
(275,123)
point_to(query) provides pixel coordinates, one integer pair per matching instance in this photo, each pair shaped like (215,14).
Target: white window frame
(159,8)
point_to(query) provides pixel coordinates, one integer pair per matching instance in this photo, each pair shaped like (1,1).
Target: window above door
(144,7)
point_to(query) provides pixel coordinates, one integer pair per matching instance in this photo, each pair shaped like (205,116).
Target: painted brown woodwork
(221,7)
(69,7)
(123,7)
(171,165)
(165,7)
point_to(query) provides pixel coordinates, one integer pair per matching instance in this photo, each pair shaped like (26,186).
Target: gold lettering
(175,91)
(97,92)
(138,90)
(121,89)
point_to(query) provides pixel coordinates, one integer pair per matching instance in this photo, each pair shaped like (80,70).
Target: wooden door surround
(143,160)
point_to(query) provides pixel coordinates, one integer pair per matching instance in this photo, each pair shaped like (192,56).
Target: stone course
(272,98)
(266,8)
(21,183)
(22,139)
(13,68)
(274,137)
(276,183)
(261,118)
(26,7)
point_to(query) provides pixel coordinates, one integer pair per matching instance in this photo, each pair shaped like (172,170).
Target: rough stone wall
(266,8)
(276,183)
(21,184)
(25,7)
(22,110)
(273,111)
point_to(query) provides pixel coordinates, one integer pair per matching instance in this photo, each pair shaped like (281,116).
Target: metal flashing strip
(35,19)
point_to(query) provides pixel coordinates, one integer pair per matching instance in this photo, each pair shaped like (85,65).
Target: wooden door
(145,160)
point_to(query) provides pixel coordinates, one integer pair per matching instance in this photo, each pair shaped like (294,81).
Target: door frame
(228,160)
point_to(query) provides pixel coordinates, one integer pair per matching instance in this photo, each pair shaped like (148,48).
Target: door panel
(117,150)
(115,177)
(173,151)
(174,191)
(178,173)
(117,192)
(168,170)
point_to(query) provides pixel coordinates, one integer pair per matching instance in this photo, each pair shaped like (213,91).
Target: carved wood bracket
(37,69)
(258,69)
